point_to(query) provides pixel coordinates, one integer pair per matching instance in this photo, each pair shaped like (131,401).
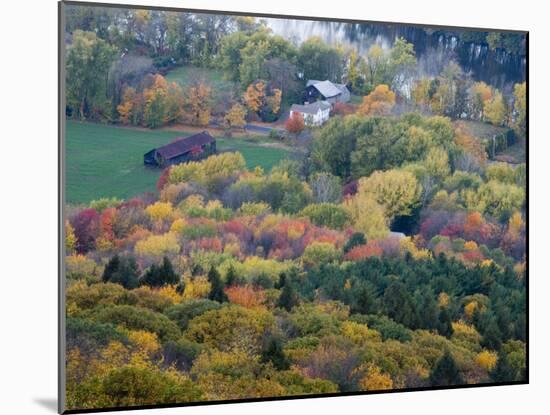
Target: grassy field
(514,153)
(185,74)
(107,161)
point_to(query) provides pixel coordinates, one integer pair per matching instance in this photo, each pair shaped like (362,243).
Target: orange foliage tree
(378,102)
(295,123)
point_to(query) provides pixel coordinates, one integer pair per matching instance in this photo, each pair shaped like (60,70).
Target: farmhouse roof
(182,145)
(326,88)
(311,109)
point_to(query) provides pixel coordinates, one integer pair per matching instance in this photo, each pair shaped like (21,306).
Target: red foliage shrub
(211,244)
(295,123)
(86,229)
(473,256)
(452,231)
(246,296)
(163,179)
(350,188)
(106,222)
(341,108)
(371,248)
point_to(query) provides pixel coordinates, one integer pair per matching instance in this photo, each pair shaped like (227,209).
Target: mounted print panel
(260,207)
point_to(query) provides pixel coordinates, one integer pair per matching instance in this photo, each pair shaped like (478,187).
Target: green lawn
(107,161)
(185,74)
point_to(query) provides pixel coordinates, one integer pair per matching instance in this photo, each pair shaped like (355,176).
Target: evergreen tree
(445,327)
(428,311)
(123,271)
(274,353)
(446,372)
(216,291)
(282,281)
(354,240)
(160,275)
(168,274)
(366,302)
(400,306)
(503,371)
(492,337)
(231,277)
(110,269)
(288,298)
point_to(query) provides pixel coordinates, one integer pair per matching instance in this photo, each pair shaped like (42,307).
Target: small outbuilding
(326,91)
(314,114)
(182,149)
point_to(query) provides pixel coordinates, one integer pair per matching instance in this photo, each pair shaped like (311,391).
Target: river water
(434,47)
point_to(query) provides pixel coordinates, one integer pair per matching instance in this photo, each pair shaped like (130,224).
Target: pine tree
(492,337)
(288,298)
(216,291)
(366,301)
(445,327)
(354,240)
(123,271)
(111,267)
(231,278)
(167,272)
(282,281)
(503,371)
(160,275)
(274,353)
(446,372)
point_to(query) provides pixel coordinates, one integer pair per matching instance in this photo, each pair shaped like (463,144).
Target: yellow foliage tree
(471,145)
(195,288)
(235,117)
(487,360)
(520,107)
(160,211)
(254,96)
(158,245)
(367,215)
(378,102)
(397,191)
(495,110)
(197,104)
(70,238)
(374,379)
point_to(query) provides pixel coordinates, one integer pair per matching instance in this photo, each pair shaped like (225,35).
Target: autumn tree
(480,94)
(88,61)
(520,107)
(396,190)
(263,99)
(471,146)
(374,380)
(495,109)
(295,124)
(197,107)
(367,215)
(236,115)
(378,102)
(326,188)
(86,229)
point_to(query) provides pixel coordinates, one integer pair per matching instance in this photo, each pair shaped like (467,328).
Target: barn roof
(326,88)
(310,108)
(182,145)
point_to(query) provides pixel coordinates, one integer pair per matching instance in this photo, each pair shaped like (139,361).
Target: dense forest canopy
(389,252)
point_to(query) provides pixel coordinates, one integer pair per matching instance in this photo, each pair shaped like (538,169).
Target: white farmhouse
(314,114)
